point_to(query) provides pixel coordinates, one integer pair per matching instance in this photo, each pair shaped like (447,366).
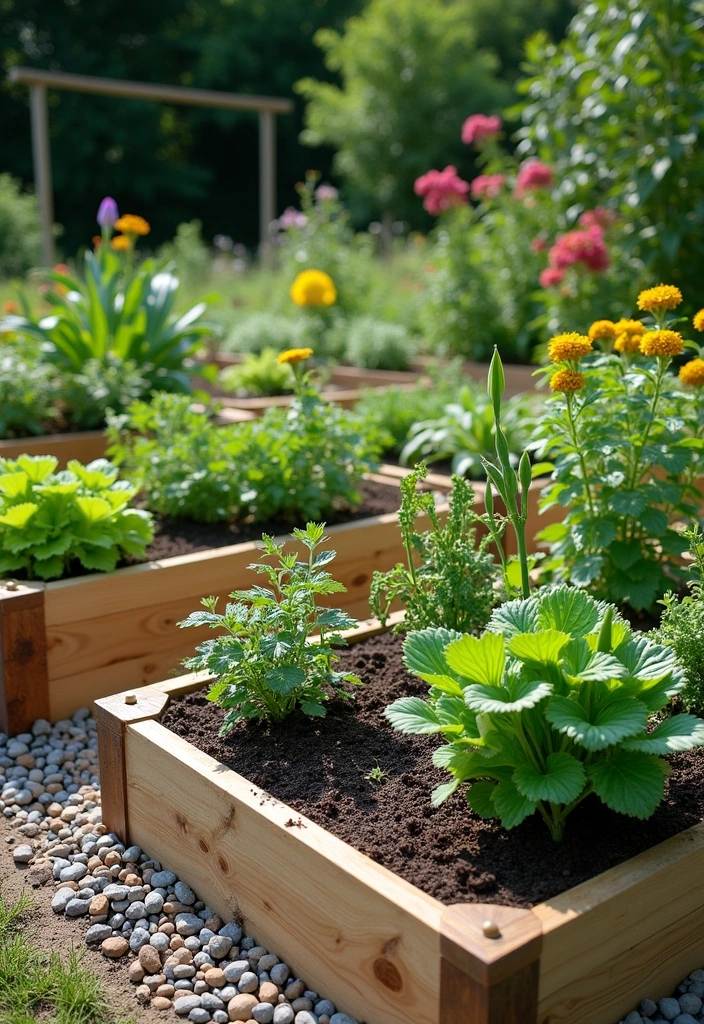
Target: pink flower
(599,217)
(324,192)
(550,277)
(441,190)
(585,246)
(479,126)
(538,244)
(532,176)
(487,186)
(292,218)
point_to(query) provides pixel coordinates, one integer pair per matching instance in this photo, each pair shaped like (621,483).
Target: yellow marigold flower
(294,355)
(692,373)
(662,343)
(313,288)
(571,347)
(627,343)
(698,320)
(121,243)
(131,224)
(663,296)
(602,330)
(567,380)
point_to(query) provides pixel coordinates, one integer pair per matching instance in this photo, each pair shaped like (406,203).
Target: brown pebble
(166,991)
(112,857)
(150,960)
(215,977)
(181,992)
(147,874)
(133,879)
(268,992)
(94,863)
(114,946)
(136,972)
(183,955)
(122,875)
(171,907)
(215,923)
(99,905)
(168,928)
(143,994)
(161,1003)
(25,760)
(240,1007)
(176,942)
(301,1004)
(295,989)
(153,981)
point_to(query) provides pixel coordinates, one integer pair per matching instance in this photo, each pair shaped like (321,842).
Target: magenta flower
(292,218)
(108,213)
(324,192)
(598,217)
(487,186)
(479,126)
(585,246)
(550,277)
(441,190)
(533,176)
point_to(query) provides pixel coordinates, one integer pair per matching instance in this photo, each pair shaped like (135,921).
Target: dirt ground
(55,932)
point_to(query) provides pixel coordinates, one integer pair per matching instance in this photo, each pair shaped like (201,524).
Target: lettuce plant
(50,521)
(550,705)
(265,664)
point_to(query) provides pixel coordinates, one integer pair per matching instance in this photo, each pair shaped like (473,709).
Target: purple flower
(292,218)
(324,192)
(108,213)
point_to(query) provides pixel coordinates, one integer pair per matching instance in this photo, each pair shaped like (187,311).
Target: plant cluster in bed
(266,664)
(52,521)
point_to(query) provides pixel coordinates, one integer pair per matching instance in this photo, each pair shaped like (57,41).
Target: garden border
(361,934)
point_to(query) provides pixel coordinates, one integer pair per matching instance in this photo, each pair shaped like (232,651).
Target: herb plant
(548,706)
(396,409)
(27,392)
(50,521)
(266,664)
(100,384)
(453,586)
(258,374)
(377,345)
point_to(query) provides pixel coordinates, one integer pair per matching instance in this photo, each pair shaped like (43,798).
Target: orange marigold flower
(120,243)
(692,373)
(9,306)
(294,355)
(663,296)
(627,343)
(698,320)
(564,348)
(602,330)
(97,240)
(662,343)
(567,380)
(131,224)
(313,288)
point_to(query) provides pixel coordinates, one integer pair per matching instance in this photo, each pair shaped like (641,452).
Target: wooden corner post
(490,958)
(113,715)
(24,677)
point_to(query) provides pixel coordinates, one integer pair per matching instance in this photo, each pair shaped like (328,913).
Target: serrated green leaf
(38,467)
(480,798)
(284,679)
(580,662)
(679,732)
(544,646)
(628,502)
(646,660)
(626,553)
(561,782)
(14,485)
(511,806)
(413,715)
(443,792)
(586,569)
(424,656)
(313,708)
(609,724)
(630,782)
(480,659)
(523,694)
(19,515)
(515,617)
(95,510)
(569,611)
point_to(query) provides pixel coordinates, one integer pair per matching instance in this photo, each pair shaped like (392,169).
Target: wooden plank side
(586,928)
(84,446)
(24,680)
(350,927)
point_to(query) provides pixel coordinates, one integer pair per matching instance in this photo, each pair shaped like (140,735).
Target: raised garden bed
(383,949)
(65,643)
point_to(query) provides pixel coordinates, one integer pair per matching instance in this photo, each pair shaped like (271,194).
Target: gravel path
(181,957)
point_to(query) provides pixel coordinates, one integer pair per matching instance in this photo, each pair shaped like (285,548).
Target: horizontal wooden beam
(147,91)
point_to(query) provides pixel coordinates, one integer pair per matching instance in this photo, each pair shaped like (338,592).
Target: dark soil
(321,768)
(183,537)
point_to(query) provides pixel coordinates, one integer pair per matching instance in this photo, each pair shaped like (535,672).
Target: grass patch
(35,985)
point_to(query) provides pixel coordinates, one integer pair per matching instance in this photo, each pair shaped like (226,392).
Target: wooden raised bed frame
(64,643)
(382,949)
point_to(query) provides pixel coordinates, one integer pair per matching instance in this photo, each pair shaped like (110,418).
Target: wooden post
(267,175)
(41,156)
(113,715)
(24,678)
(490,958)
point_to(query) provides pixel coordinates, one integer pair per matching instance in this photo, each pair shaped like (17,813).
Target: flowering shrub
(626,439)
(479,126)
(441,190)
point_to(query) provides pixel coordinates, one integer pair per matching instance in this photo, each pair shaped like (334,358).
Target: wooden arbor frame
(39,81)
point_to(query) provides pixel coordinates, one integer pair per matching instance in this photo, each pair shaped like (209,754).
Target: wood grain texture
(489,960)
(349,926)
(466,1001)
(84,446)
(24,680)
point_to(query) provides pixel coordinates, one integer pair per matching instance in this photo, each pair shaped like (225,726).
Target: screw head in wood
(10,585)
(491,930)
(130,698)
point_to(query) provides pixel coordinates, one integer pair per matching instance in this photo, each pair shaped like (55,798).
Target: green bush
(189,253)
(394,410)
(20,238)
(258,374)
(549,706)
(265,665)
(28,389)
(265,330)
(50,521)
(101,384)
(376,345)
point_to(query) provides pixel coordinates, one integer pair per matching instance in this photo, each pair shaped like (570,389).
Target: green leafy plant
(277,651)
(396,409)
(50,521)
(682,626)
(453,586)
(258,374)
(101,384)
(260,331)
(548,706)
(27,391)
(376,345)
(20,236)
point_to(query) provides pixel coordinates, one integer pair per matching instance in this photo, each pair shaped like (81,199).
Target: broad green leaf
(561,782)
(628,502)
(424,656)
(544,646)
(313,708)
(568,610)
(654,520)
(216,691)
(414,715)
(14,485)
(586,569)
(443,792)
(523,693)
(94,509)
(511,806)
(480,798)
(580,662)
(679,732)
(199,618)
(101,559)
(630,782)
(38,467)
(19,515)
(515,617)
(646,660)
(50,568)
(609,725)
(480,659)
(284,679)
(97,475)
(626,553)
